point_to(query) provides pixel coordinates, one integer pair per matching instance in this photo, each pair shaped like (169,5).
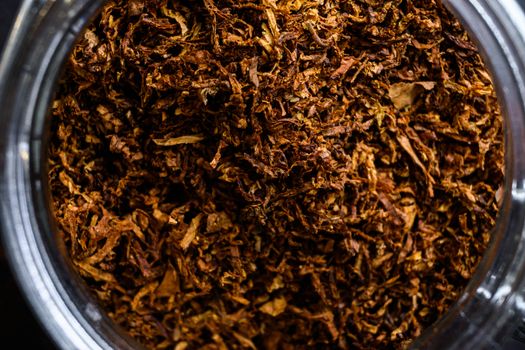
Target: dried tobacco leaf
(181,140)
(274,307)
(275,174)
(404,94)
(191,233)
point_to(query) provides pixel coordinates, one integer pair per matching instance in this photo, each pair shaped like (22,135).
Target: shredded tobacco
(275,174)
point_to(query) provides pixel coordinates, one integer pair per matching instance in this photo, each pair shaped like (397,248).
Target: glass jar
(488,312)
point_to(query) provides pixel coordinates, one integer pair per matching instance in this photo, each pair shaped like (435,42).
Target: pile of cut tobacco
(275,174)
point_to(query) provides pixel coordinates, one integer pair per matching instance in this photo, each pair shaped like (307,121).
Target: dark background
(17,325)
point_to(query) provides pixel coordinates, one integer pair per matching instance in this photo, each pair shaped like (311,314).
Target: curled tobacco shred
(275,174)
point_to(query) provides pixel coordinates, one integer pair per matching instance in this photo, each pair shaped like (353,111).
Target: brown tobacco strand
(268,174)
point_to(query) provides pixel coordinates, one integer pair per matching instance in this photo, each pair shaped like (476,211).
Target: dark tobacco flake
(268,174)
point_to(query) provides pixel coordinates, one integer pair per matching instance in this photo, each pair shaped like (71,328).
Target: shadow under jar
(483,317)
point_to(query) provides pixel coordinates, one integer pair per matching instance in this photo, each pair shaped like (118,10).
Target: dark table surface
(17,324)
